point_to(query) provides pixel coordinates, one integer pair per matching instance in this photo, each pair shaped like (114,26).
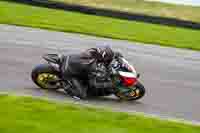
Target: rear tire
(47,70)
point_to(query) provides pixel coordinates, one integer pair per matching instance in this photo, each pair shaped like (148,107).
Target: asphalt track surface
(171,76)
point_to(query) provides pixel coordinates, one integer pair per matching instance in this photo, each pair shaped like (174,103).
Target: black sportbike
(123,75)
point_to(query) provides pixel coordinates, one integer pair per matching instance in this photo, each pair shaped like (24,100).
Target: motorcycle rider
(92,66)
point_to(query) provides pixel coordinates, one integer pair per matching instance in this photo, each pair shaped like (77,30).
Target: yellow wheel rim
(44,78)
(134,94)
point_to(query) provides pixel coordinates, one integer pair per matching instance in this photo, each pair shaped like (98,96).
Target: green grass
(30,115)
(25,15)
(144,7)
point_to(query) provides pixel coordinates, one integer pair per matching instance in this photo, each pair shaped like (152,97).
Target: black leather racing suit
(82,67)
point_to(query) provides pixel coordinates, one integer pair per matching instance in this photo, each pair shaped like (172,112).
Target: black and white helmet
(106,54)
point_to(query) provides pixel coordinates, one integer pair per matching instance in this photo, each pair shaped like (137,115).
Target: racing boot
(78,90)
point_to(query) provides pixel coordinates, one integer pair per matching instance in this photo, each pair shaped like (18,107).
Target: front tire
(43,76)
(138,92)
(141,89)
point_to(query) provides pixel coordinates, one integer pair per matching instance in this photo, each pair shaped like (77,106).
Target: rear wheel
(45,77)
(137,93)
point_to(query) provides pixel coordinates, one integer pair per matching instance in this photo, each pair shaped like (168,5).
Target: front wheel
(44,76)
(137,93)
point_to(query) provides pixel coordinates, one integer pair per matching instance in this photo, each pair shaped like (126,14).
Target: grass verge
(26,114)
(145,7)
(25,15)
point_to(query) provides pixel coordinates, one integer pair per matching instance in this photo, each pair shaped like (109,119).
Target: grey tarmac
(171,76)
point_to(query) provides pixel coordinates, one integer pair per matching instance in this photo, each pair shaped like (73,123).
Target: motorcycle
(123,75)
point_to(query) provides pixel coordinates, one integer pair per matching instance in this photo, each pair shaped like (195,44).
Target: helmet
(106,54)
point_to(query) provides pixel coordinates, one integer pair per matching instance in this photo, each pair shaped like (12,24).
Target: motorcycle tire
(45,70)
(138,86)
